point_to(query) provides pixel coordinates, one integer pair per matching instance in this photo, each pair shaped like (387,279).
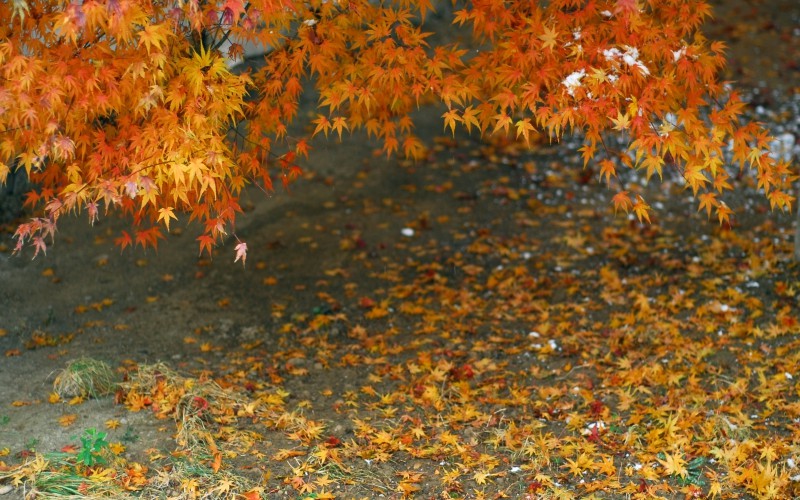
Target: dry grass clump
(191,402)
(85,377)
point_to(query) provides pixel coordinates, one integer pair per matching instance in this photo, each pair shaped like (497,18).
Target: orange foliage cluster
(130,106)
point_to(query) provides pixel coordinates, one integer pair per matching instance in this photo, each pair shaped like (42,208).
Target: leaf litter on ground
(526,343)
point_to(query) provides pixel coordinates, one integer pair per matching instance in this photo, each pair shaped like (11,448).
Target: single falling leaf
(241,252)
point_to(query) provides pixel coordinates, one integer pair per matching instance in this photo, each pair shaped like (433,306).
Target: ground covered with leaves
(477,325)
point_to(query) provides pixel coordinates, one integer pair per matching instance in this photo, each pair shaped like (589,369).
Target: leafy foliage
(93,443)
(130,106)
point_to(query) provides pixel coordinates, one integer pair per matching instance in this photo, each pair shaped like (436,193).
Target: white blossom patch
(573,81)
(630,57)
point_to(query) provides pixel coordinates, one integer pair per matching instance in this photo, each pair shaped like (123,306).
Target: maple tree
(131,106)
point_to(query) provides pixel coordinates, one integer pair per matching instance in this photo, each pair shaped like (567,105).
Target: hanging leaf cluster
(131,107)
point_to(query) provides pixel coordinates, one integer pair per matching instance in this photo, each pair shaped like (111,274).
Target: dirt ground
(325,306)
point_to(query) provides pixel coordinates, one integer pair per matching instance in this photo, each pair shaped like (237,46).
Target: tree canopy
(132,107)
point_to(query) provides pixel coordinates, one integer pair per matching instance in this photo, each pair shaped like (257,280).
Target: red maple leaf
(625,6)
(231,11)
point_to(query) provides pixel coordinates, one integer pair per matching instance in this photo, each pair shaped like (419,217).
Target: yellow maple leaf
(470,118)
(481,477)
(621,122)
(154,35)
(723,212)
(549,38)
(166,214)
(324,481)
(653,164)
(102,474)
(607,170)
(524,128)
(67,420)
(450,119)
(622,201)
(116,448)
(323,125)
(407,489)
(641,209)
(577,466)
(284,454)
(707,201)
(223,487)
(340,124)
(674,465)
